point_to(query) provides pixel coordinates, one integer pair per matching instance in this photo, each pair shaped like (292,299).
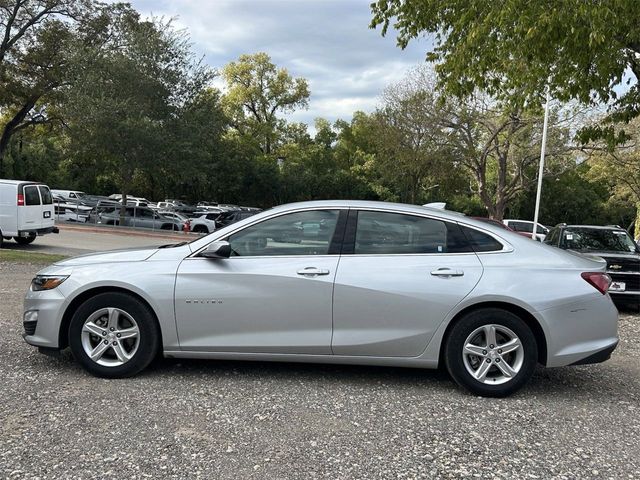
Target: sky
(328,42)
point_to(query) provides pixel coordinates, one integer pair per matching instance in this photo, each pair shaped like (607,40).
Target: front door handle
(313,271)
(447,272)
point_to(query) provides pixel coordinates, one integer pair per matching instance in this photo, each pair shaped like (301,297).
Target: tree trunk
(11,127)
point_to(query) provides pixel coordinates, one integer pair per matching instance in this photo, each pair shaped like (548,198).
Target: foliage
(129,92)
(620,169)
(257,92)
(119,103)
(514,49)
(35,36)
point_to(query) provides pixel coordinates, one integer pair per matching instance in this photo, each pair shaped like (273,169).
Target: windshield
(596,239)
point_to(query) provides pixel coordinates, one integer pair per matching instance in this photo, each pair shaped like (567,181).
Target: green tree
(620,170)
(34,41)
(514,49)
(129,85)
(499,146)
(408,138)
(257,93)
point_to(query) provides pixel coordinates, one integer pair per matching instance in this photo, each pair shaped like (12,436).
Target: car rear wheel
(24,240)
(491,352)
(114,335)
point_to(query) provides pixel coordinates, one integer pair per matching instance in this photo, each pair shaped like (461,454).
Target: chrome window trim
(506,247)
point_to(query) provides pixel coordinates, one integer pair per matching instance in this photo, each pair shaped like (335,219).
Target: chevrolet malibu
(334,282)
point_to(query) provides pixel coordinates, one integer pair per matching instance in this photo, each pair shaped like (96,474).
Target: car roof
(19,182)
(364,204)
(595,227)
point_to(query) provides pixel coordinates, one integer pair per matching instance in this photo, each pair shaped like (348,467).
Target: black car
(612,243)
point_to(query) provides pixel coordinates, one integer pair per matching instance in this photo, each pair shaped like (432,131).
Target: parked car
(176,206)
(525,226)
(95,200)
(233,216)
(139,217)
(69,195)
(132,201)
(200,224)
(70,211)
(612,243)
(499,224)
(26,211)
(487,303)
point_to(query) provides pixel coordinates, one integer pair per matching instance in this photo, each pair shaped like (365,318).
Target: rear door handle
(447,272)
(313,271)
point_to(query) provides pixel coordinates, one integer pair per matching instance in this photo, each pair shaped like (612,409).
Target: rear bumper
(38,231)
(598,357)
(580,331)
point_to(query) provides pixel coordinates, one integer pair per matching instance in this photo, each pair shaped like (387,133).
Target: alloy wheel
(110,337)
(493,354)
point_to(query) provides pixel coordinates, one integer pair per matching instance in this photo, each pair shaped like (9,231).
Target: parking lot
(206,419)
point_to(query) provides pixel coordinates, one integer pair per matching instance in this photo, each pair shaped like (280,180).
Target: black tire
(149,335)
(25,240)
(455,361)
(200,229)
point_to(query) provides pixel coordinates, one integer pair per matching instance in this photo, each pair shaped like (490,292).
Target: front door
(273,295)
(402,278)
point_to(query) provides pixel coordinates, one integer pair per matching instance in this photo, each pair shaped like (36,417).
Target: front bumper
(45,331)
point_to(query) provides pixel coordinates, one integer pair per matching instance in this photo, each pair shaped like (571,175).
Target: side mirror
(219,249)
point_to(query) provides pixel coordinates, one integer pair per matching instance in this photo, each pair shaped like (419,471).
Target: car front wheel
(114,335)
(491,352)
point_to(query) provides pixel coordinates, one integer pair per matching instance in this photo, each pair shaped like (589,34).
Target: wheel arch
(63,336)
(517,310)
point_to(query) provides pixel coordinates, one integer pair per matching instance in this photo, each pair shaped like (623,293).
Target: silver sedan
(335,282)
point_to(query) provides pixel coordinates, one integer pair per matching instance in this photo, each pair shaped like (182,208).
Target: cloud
(328,42)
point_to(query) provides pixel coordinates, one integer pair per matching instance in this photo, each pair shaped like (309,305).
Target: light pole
(541,169)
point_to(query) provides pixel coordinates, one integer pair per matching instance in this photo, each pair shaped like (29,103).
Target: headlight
(47,282)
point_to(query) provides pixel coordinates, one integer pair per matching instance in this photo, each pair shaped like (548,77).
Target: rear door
(47,206)
(31,215)
(398,278)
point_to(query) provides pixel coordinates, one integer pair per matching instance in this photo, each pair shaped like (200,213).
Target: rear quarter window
(480,241)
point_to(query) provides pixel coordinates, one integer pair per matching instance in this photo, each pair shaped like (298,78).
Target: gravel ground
(218,420)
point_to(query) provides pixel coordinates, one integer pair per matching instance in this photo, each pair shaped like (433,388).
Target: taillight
(20,199)
(600,281)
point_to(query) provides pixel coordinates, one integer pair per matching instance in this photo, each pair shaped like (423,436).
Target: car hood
(126,255)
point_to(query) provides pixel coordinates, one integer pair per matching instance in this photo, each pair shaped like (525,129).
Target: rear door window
(45,193)
(31,195)
(385,233)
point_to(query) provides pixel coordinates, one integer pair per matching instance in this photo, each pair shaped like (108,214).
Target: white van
(26,211)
